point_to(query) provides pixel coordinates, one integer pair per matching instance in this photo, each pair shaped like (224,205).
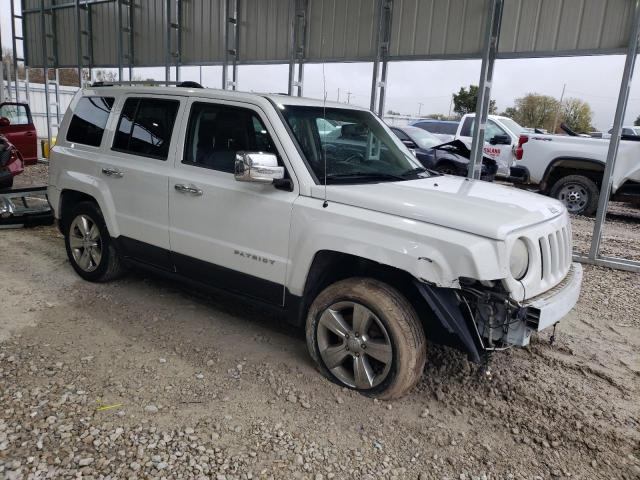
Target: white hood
(473,206)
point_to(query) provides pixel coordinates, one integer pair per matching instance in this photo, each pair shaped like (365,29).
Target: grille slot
(555,254)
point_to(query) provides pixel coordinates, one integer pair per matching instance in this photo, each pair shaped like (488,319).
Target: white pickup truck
(570,168)
(344,234)
(501,136)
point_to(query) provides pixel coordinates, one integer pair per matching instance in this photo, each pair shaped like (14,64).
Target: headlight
(519,260)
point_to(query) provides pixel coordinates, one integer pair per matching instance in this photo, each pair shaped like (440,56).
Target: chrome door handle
(188,189)
(113,172)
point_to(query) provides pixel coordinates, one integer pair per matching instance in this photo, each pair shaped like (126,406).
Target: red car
(16,123)
(11,163)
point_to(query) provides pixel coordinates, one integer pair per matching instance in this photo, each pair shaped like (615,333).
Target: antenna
(325,204)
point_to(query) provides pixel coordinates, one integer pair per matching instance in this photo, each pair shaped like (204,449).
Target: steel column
(378,85)
(79,42)
(119,42)
(167,43)
(614,142)
(489,52)
(15,51)
(45,69)
(297,39)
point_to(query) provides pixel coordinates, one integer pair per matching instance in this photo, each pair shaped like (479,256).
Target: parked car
(450,158)
(363,247)
(627,130)
(500,138)
(570,169)
(11,163)
(445,130)
(17,125)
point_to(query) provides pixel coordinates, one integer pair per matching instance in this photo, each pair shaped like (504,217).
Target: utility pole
(555,120)
(419,108)
(338,95)
(349,97)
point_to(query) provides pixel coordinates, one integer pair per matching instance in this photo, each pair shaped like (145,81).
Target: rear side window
(145,127)
(89,120)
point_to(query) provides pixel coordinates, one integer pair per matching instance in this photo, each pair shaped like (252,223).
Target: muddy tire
(578,193)
(89,246)
(365,335)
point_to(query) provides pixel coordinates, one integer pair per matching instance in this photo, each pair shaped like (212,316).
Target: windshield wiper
(414,171)
(364,176)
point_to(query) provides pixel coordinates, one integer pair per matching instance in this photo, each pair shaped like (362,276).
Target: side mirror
(409,144)
(4,122)
(257,167)
(500,140)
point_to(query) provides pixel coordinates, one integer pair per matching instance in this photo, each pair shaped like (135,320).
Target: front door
(502,154)
(21,131)
(229,234)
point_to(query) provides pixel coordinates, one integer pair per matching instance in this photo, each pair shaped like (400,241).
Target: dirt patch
(140,378)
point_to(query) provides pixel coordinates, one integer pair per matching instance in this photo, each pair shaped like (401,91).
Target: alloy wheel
(354,345)
(85,242)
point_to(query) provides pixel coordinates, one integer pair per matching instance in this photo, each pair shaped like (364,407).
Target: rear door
(21,131)
(136,170)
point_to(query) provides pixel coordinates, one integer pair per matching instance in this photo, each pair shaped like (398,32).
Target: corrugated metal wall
(437,28)
(341,30)
(536,27)
(203,31)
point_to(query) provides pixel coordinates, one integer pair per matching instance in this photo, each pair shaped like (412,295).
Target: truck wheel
(89,247)
(364,335)
(578,193)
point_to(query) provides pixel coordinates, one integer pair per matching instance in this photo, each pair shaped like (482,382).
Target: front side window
(359,150)
(145,127)
(17,114)
(89,120)
(217,132)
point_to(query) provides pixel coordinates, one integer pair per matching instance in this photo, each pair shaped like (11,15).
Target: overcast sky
(593,79)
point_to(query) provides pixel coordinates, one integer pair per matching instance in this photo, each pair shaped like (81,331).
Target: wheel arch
(564,166)
(72,196)
(329,266)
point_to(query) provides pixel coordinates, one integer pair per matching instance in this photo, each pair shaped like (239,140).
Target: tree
(577,115)
(637,121)
(392,112)
(466,99)
(536,111)
(510,112)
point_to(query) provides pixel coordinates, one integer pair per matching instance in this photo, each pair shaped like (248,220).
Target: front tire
(6,184)
(366,336)
(89,246)
(578,193)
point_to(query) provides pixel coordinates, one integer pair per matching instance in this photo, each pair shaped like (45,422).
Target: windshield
(356,145)
(422,138)
(512,125)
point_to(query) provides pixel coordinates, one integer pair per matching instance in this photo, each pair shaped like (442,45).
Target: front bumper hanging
(25,207)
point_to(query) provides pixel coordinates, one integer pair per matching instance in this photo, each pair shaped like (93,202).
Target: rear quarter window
(89,120)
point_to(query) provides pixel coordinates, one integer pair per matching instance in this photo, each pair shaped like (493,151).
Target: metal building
(125,34)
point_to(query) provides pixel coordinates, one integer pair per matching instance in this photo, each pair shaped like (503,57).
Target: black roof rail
(185,84)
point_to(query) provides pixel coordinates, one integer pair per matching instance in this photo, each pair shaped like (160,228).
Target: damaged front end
(485,318)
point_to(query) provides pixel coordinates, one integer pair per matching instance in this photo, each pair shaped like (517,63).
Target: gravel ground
(139,378)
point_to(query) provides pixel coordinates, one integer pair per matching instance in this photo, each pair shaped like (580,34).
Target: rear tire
(89,246)
(578,193)
(366,336)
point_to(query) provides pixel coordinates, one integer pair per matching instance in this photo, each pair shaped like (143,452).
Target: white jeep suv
(344,233)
